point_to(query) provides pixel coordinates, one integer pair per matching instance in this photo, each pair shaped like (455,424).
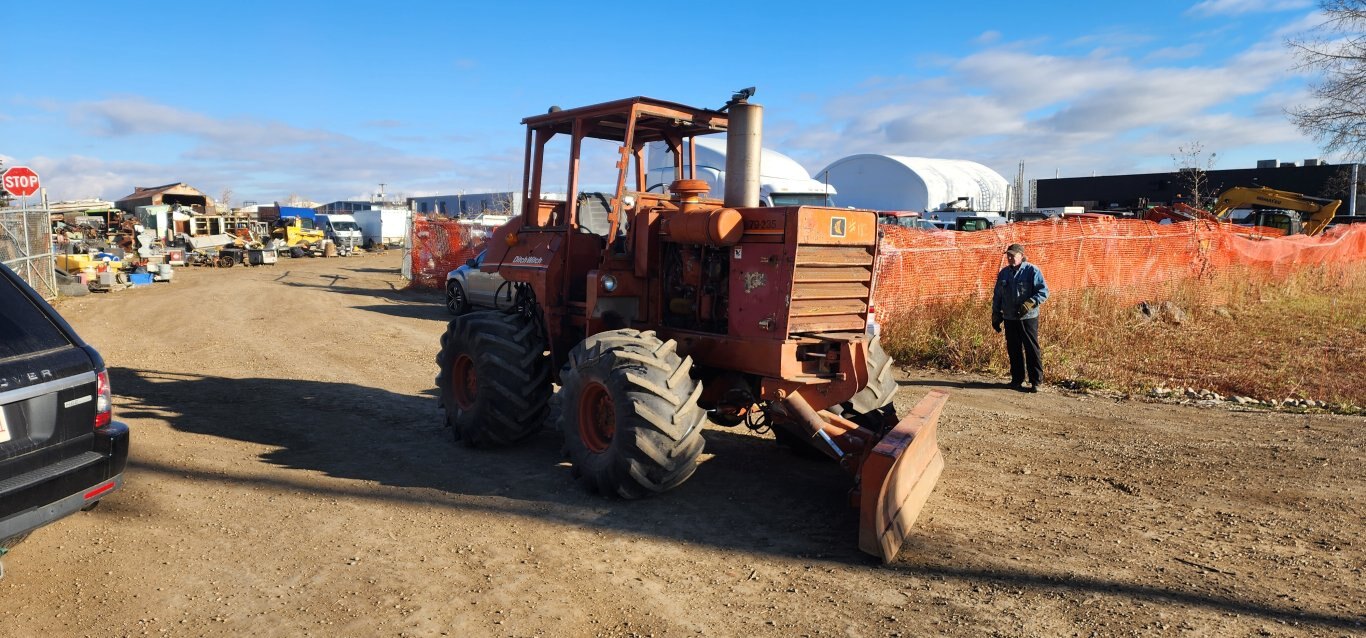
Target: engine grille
(831,287)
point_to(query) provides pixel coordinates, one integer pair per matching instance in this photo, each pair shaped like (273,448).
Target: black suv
(60,449)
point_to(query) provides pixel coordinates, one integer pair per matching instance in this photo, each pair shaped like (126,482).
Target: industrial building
(468,205)
(168,194)
(1314,178)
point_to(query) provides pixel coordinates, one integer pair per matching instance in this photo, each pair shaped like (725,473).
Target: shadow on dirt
(392,293)
(963,385)
(435,312)
(748,497)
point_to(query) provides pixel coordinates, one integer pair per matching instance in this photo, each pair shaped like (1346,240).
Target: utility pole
(1352,201)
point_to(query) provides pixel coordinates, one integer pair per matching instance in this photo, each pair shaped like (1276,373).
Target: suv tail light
(104,400)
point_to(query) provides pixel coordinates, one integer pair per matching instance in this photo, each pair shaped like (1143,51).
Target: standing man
(1015,302)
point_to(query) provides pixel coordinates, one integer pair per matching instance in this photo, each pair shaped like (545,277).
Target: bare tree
(1338,185)
(225,199)
(1336,50)
(1193,165)
(502,204)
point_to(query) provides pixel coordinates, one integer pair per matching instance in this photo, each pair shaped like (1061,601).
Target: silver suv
(468,287)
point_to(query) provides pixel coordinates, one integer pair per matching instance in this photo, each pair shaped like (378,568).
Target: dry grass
(1303,336)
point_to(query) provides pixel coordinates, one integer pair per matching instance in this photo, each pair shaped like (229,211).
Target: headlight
(609,283)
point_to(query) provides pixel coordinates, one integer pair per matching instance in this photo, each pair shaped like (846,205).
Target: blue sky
(327,100)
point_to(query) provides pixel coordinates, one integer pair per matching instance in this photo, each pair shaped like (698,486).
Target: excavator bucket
(897,477)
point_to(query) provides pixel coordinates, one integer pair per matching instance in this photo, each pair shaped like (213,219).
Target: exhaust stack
(744,145)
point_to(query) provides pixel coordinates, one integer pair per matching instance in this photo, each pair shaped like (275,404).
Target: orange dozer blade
(897,477)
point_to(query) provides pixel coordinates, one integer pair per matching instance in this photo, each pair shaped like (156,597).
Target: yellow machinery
(1279,209)
(297,231)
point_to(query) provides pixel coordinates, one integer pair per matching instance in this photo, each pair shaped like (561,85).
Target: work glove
(996,319)
(1027,306)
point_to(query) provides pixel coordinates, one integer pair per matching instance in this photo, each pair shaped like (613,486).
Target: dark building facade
(1135,191)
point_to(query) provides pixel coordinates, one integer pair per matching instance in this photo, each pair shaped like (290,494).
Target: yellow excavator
(1292,212)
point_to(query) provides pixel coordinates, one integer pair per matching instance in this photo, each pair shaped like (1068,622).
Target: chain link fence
(26,248)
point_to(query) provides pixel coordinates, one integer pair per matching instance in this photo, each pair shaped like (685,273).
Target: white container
(382,225)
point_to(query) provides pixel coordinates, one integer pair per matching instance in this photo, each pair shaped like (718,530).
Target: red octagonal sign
(19,181)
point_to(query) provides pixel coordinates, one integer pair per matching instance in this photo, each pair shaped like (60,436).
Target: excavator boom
(1319,210)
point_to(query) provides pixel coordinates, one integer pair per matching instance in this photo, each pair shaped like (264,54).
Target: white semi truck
(782,181)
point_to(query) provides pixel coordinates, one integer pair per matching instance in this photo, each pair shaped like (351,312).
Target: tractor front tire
(494,378)
(629,414)
(872,406)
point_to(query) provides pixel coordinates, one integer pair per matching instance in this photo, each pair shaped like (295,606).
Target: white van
(341,229)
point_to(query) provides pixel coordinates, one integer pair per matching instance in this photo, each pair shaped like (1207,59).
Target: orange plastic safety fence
(440,246)
(1133,259)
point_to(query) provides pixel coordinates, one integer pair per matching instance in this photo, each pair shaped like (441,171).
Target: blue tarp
(292,211)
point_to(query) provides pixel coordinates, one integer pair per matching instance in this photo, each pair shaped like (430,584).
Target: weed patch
(1300,336)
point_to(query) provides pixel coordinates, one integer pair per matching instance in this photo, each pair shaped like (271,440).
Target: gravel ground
(290,476)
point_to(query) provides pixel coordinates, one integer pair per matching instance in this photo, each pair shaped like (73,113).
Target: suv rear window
(24,328)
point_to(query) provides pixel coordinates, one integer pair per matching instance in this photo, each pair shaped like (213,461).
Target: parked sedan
(468,287)
(61,451)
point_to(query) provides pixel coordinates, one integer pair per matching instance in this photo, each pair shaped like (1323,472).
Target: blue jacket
(1015,286)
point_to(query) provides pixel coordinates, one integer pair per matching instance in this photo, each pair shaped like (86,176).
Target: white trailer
(382,226)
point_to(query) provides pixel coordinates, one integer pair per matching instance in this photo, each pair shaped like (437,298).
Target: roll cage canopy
(632,122)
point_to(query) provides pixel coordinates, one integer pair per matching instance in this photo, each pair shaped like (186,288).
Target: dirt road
(290,476)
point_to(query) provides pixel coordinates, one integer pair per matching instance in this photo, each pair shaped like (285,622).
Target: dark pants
(1022,344)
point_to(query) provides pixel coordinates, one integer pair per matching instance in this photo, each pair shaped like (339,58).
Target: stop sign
(19,181)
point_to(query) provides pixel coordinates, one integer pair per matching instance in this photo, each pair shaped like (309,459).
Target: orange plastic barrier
(440,246)
(1133,259)
(1130,258)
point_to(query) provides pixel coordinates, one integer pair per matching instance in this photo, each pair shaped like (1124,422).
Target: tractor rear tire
(494,378)
(872,406)
(629,414)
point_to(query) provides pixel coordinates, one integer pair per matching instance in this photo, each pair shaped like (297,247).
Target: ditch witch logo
(836,226)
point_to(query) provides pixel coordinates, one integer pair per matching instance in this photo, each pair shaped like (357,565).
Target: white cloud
(1308,22)
(1238,7)
(260,159)
(1095,112)
(1176,53)
(987,37)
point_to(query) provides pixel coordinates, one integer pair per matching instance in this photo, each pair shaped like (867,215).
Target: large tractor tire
(629,414)
(494,378)
(872,406)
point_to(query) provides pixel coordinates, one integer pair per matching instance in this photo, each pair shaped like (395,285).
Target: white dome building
(897,182)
